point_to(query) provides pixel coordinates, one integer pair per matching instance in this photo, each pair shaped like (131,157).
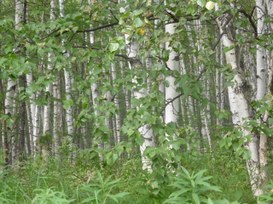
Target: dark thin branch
(98,28)
(253,10)
(201,74)
(165,63)
(86,47)
(249,17)
(217,42)
(175,19)
(173,99)
(181,94)
(82,31)
(114,15)
(51,33)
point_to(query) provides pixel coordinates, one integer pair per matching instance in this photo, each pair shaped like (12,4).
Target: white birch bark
(9,100)
(56,122)
(32,116)
(261,74)
(19,13)
(145,130)
(68,86)
(9,110)
(222,92)
(116,119)
(69,111)
(95,92)
(11,87)
(261,52)
(57,119)
(172,109)
(238,103)
(49,88)
(31,111)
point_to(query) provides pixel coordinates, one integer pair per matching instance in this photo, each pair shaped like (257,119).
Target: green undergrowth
(213,178)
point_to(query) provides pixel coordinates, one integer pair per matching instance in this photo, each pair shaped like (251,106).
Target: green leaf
(68,103)
(195,198)
(113,47)
(201,3)
(118,196)
(227,49)
(137,12)
(138,23)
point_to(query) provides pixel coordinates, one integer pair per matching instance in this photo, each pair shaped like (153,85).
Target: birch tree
(68,86)
(49,89)
(140,91)
(11,92)
(172,108)
(145,130)
(262,79)
(239,105)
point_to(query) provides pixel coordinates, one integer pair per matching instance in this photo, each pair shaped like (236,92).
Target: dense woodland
(136,101)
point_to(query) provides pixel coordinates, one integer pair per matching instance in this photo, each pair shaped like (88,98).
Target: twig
(249,17)
(98,28)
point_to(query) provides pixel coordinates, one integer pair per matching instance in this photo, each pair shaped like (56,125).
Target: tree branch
(82,31)
(217,42)
(98,28)
(249,17)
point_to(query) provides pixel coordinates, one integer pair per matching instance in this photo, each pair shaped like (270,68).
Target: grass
(55,181)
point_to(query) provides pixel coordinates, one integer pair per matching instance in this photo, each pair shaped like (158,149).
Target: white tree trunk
(95,92)
(144,130)
(49,88)
(172,109)
(32,117)
(261,74)
(57,117)
(11,88)
(261,52)
(68,86)
(116,119)
(9,100)
(9,110)
(56,120)
(239,104)
(69,110)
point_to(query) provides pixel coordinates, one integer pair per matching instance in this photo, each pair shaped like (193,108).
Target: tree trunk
(261,75)
(68,86)
(145,130)
(172,109)
(238,104)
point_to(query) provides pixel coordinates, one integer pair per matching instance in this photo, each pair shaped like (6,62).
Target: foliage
(113,174)
(52,181)
(190,188)
(48,196)
(267,197)
(100,191)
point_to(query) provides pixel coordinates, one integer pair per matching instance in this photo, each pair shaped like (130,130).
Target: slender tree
(239,105)
(68,81)
(172,108)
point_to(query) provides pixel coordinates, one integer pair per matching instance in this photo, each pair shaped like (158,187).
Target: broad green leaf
(138,22)
(201,3)
(196,199)
(137,12)
(113,47)
(68,103)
